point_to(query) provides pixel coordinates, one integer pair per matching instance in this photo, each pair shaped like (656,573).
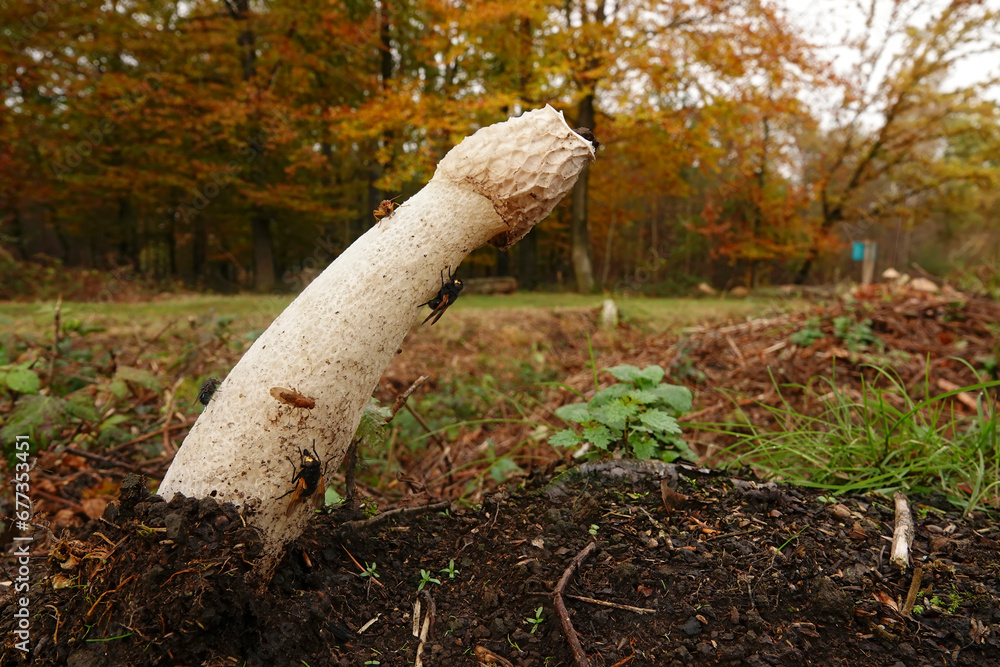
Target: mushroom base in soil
(325,353)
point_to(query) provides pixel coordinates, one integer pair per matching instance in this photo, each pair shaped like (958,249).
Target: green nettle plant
(636,417)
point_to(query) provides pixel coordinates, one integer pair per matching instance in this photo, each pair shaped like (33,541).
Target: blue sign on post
(858,251)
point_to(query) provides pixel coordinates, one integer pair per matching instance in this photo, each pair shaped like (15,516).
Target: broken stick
(567,625)
(902,533)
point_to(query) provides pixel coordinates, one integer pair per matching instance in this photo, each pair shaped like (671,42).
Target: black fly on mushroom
(446,296)
(207,390)
(587,134)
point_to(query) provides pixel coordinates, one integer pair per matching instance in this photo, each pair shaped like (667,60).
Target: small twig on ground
(401,399)
(152,340)
(76,507)
(557,595)
(420,420)
(168,443)
(362,568)
(152,434)
(350,468)
(902,533)
(626,607)
(624,661)
(103,459)
(362,524)
(351,457)
(428,624)
(911,595)
(488,658)
(55,345)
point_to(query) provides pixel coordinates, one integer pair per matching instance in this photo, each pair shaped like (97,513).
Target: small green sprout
(535,620)
(450,570)
(426,578)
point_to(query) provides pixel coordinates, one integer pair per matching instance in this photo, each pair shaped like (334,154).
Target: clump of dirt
(691,566)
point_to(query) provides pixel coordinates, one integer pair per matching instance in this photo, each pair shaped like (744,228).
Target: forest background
(244,144)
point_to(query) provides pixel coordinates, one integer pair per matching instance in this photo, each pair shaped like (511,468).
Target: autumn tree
(884,155)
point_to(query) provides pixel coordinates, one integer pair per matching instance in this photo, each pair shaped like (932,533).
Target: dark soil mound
(691,567)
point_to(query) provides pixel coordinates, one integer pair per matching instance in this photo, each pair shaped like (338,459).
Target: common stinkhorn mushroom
(324,354)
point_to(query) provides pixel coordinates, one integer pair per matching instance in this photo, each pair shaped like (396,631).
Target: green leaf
(677,397)
(615,415)
(660,421)
(372,427)
(599,436)
(113,421)
(23,381)
(503,469)
(609,394)
(650,376)
(643,446)
(574,412)
(119,388)
(669,455)
(625,372)
(645,396)
(678,447)
(138,376)
(565,438)
(41,417)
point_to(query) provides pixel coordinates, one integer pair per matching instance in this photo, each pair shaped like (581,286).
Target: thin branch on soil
(626,607)
(351,457)
(428,624)
(911,595)
(152,340)
(103,459)
(363,524)
(557,595)
(902,533)
(152,434)
(361,567)
(55,345)
(350,470)
(76,507)
(401,399)
(168,444)
(488,658)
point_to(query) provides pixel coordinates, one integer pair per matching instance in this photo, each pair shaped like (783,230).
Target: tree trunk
(334,341)
(582,265)
(263,252)
(260,222)
(528,264)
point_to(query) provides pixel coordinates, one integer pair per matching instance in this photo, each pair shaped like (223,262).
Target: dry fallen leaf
(94,507)
(671,499)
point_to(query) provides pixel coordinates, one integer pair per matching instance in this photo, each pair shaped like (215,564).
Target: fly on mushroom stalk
(445,297)
(385,209)
(208,390)
(587,134)
(293,398)
(307,479)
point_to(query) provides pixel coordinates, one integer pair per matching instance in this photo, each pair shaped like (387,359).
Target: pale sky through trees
(829,23)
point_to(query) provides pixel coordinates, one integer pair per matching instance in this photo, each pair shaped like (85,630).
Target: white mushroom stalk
(332,344)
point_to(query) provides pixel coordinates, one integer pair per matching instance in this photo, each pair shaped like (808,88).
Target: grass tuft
(877,440)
